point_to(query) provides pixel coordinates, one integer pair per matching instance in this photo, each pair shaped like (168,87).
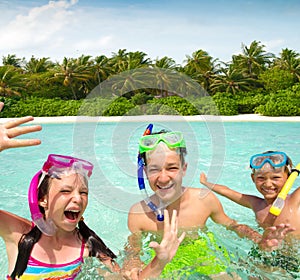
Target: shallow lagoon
(221,149)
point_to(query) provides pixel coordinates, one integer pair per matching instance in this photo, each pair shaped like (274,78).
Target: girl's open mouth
(72,214)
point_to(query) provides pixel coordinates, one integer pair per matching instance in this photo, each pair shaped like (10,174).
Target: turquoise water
(220,149)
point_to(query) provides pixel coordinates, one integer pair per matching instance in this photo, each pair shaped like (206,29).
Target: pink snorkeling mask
(56,165)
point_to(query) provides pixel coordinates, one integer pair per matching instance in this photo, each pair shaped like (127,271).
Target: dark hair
(182,150)
(96,246)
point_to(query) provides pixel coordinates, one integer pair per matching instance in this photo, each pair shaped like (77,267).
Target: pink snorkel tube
(45,226)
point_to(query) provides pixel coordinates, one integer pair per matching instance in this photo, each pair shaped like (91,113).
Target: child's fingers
(13,132)
(182,236)
(174,221)
(166,221)
(153,244)
(17,143)
(17,122)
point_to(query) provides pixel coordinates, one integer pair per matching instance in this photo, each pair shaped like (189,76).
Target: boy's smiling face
(269,181)
(165,172)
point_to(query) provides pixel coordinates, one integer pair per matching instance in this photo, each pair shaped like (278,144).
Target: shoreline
(161,118)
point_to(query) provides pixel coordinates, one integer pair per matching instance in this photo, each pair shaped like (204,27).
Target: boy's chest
(289,215)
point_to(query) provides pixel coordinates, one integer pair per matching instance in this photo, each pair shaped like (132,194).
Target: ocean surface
(221,149)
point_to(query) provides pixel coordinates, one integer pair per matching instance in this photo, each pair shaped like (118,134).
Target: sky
(172,28)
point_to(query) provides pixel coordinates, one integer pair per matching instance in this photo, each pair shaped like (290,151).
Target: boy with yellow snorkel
(270,172)
(273,177)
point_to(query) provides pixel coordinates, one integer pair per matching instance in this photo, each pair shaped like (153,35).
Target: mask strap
(141,182)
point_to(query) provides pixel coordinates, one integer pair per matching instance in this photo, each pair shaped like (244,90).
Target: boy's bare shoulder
(296,194)
(137,207)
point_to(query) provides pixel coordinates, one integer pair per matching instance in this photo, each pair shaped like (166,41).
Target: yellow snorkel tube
(278,204)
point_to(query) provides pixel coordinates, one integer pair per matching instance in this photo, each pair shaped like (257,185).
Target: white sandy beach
(161,118)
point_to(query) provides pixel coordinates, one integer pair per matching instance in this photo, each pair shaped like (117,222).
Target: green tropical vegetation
(130,83)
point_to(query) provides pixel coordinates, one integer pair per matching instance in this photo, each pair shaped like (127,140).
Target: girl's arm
(271,238)
(242,199)
(12,226)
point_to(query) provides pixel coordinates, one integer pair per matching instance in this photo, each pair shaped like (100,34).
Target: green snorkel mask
(171,139)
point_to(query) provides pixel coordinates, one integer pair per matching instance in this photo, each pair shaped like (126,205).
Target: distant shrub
(226,104)
(119,107)
(248,101)
(39,107)
(276,79)
(282,103)
(176,104)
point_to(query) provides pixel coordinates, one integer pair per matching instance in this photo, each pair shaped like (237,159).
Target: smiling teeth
(165,188)
(269,190)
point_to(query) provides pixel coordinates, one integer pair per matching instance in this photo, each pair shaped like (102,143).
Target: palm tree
(289,60)
(101,68)
(231,81)
(38,65)
(201,67)
(166,63)
(165,78)
(253,60)
(117,60)
(11,81)
(12,60)
(126,61)
(74,73)
(140,57)
(129,82)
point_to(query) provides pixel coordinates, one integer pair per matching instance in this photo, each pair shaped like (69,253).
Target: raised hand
(273,236)
(12,129)
(166,250)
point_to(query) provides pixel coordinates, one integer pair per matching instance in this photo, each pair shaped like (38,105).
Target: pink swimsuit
(39,270)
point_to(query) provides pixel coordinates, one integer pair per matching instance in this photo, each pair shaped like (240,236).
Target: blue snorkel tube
(141,182)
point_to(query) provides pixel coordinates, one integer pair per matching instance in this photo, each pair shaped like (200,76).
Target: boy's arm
(270,240)
(136,218)
(133,249)
(242,199)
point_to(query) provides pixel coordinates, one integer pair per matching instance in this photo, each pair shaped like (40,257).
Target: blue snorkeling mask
(275,159)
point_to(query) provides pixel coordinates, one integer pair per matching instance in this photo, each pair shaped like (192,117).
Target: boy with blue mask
(270,172)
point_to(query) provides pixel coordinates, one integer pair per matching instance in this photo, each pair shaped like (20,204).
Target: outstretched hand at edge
(11,129)
(273,236)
